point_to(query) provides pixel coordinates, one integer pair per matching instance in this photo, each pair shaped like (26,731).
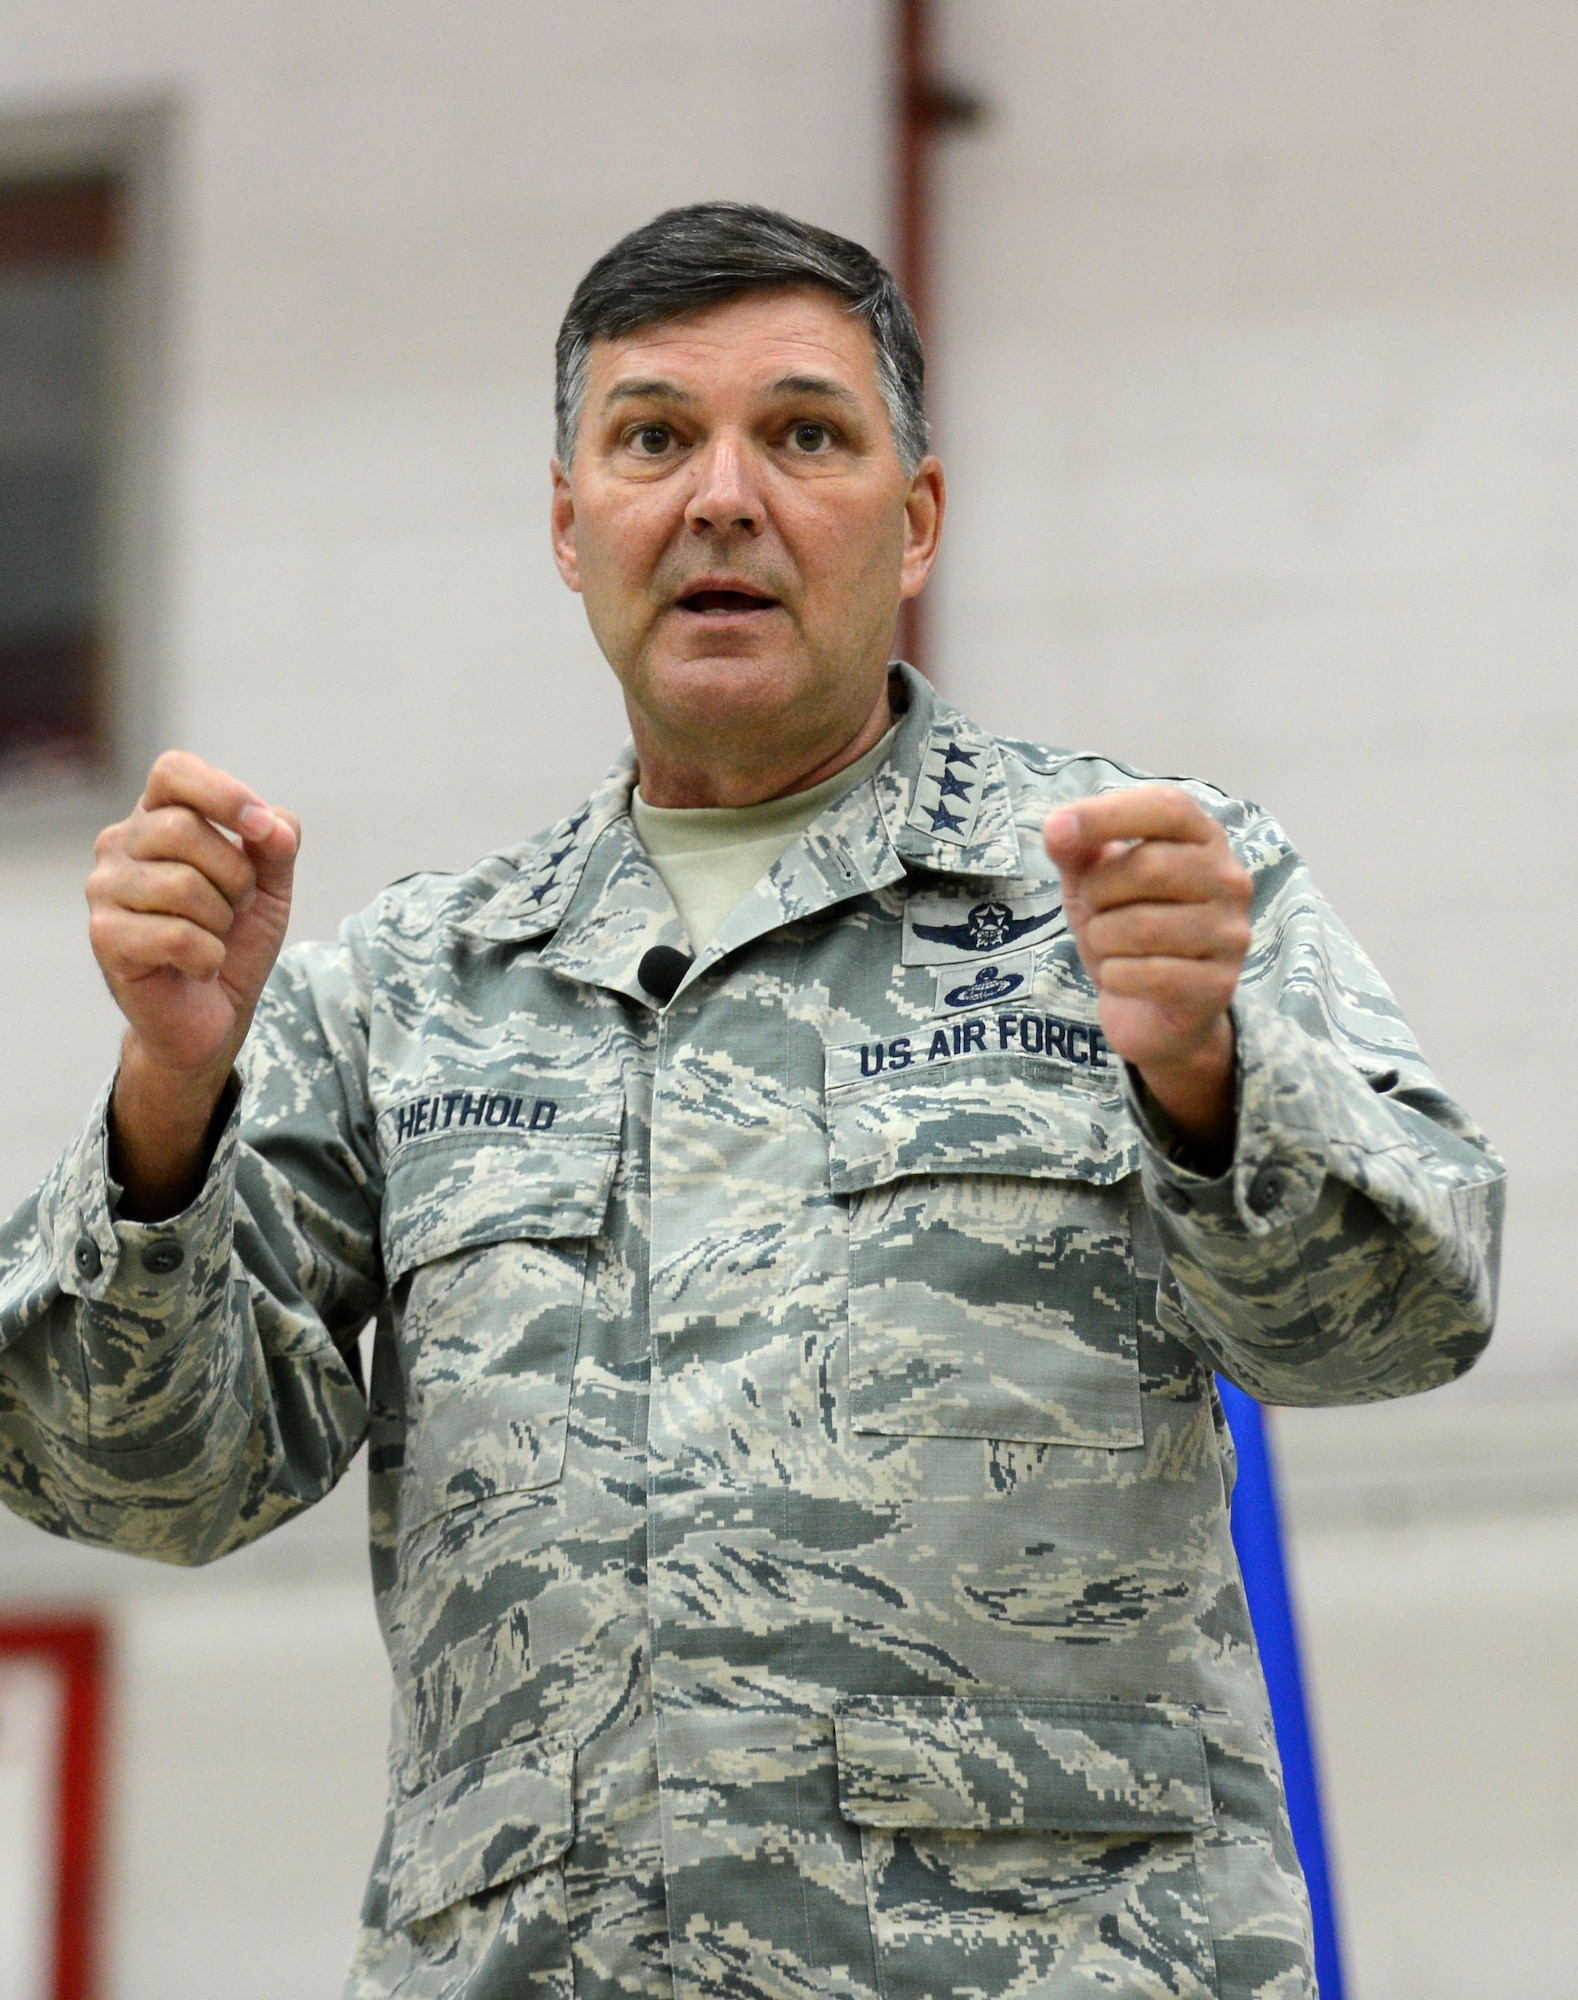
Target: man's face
(740,526)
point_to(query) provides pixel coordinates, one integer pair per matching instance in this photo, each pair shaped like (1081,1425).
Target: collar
(942,803)
(548,870)
(944,792)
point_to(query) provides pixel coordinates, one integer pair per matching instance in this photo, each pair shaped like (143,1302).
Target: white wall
(1258,369)
(1258,353)
(378,213)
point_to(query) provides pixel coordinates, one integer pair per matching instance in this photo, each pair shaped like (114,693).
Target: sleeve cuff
(1280,1153)
(150,1268)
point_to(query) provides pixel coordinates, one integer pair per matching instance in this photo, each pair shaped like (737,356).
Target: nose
(725,498)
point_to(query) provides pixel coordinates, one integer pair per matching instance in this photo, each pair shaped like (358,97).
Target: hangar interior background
(1255,347)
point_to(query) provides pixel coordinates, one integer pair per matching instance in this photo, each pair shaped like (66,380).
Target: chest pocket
(992,1290)
(486,1243)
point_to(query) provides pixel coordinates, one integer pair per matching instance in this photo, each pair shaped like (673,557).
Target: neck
(668,777)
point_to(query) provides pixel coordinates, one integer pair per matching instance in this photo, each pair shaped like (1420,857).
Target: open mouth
(714,603)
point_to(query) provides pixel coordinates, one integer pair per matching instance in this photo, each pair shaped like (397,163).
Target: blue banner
(1257,1535)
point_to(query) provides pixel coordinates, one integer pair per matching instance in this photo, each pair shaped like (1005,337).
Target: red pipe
(913,127)
(924,107)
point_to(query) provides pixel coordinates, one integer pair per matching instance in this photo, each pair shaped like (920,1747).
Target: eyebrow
(814,385)
(651,388)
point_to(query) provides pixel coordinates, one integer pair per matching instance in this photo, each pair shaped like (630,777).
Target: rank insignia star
(944,821)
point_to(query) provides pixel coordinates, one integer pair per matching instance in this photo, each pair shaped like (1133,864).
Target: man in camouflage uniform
(799,1496)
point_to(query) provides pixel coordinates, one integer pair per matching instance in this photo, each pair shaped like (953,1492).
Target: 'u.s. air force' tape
(1078,1044)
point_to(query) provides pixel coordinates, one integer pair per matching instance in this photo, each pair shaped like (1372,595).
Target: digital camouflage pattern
(799,1497)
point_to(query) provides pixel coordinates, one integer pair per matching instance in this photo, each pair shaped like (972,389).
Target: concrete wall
(1256,366)
(375,215)
(1258,352)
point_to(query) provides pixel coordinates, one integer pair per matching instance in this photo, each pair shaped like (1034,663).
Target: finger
(130,945)
(1166,871)
(167,888)
(178,834)
(270,837)
(1172,930)
(273,850)
(1201,986)
(1075,834)
(180,779)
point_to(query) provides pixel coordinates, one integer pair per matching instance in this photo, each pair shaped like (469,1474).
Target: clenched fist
(1159,907)
(189,904)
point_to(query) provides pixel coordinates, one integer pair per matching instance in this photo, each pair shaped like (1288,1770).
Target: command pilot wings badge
(943,930)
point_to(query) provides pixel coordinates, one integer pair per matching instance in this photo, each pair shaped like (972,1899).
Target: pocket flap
(482,1825)
(997,1114)
(1053,1766)
(461,1190)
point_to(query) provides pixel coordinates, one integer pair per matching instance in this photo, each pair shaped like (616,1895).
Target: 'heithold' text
(457,1108)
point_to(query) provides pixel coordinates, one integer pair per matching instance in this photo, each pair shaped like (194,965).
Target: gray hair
(687,259)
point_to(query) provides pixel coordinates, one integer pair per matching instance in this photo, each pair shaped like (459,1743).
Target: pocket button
(1266,1189)
(163,1257)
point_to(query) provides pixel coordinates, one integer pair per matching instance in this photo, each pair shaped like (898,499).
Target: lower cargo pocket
(1041,1847)
(476,1875)
(511,1940)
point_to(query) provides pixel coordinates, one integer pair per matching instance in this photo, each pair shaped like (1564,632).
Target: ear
(923,511)
(562,520)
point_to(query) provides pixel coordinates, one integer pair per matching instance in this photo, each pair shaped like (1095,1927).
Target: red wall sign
(51,1793)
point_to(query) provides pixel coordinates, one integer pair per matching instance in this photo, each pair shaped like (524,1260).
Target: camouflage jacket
(799,1495)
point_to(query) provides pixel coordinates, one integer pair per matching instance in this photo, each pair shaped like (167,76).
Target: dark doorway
(58,241)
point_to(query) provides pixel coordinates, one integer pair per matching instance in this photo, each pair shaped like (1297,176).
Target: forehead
(746,343)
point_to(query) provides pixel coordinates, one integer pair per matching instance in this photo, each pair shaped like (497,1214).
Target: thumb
(1070,845)
(272,839)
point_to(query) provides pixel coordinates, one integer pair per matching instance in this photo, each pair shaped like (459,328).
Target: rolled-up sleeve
(177,1388)
(1351,1250)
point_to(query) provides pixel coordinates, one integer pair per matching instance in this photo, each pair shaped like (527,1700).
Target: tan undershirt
(711,857)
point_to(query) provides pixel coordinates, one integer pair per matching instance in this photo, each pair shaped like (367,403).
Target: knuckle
(192,948)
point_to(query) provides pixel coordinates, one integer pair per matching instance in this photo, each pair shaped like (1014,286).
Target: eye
(810,437)
(652,440)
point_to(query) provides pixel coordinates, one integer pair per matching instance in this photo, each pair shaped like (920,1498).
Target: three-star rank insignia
(948,791)
(544,879)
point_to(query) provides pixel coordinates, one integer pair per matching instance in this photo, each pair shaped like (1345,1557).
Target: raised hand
(186,925)
(1159,907)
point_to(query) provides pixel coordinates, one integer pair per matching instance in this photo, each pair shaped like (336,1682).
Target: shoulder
(433,902)
(415,921)
(1042,777)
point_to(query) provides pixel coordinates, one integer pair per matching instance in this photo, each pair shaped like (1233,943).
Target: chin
(719,688)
